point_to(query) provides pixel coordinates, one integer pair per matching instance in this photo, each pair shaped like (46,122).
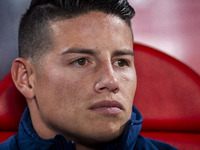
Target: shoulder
(10,144)
(150,144)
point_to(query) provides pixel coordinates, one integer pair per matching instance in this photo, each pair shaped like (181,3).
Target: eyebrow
(94,52)
(80,51)
(123,52)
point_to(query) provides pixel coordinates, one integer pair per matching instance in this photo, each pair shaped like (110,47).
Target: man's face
(85,85)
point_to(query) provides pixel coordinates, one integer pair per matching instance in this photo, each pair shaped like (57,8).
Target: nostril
(116,90)
(101,88)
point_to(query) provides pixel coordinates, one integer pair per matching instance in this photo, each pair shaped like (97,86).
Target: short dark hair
(34,35)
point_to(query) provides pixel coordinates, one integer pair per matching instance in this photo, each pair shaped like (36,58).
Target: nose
(107,80)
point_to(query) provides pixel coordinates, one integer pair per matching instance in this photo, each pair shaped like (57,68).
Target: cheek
(58,95)
(61,83)
(128,79)
(65,90)
(68,90)
(127,84)
(49,86)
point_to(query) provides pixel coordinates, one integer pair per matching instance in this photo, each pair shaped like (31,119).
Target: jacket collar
(28,137)
(131,132)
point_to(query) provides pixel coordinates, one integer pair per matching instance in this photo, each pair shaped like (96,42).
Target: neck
(42,130)
(96,146)
(90,147)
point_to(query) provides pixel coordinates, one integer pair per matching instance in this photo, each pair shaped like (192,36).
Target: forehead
(91,29)
(88,20)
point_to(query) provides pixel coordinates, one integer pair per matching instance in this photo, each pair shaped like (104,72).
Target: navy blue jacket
(27,138)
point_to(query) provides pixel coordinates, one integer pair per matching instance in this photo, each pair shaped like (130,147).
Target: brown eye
(122,63)
(81,61)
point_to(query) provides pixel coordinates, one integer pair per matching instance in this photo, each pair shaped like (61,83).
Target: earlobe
(22,72)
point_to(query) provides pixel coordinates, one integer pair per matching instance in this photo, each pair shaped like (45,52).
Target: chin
(99,141)
(103,135)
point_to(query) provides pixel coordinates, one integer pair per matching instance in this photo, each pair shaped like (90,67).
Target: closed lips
(107,104)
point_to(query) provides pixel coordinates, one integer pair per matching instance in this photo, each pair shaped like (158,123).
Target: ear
(23,75)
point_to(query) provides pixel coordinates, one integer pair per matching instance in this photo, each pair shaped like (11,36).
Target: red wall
(172,26)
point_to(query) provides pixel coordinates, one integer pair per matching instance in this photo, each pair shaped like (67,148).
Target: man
(76,71)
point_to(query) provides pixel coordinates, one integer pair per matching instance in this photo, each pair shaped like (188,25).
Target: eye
(80,62)
(122,63)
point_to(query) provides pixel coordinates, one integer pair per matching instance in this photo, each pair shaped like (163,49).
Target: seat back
(168,92)
(12,105)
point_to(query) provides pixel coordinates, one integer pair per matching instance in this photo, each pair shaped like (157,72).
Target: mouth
(109,107)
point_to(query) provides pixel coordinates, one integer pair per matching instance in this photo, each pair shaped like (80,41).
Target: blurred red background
(172,26)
